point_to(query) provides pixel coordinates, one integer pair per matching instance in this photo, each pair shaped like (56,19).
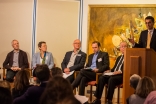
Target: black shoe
(96,101)
(109,102)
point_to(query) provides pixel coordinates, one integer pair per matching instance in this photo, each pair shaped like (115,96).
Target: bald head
(15,44)
(77,44)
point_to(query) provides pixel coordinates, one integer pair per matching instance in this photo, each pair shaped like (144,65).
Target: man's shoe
(109,102)
(96,101)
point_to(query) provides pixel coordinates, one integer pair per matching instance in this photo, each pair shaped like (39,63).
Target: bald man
(15,61)
(73,60)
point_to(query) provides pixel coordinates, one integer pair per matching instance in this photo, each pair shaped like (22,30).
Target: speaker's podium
(139,61)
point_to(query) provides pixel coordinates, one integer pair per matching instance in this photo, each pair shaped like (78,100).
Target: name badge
(78,54)
(46,57)
(100,59)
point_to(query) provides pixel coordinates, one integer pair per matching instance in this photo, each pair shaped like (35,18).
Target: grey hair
(134,79)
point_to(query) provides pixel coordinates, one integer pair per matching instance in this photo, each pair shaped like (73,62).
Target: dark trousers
(81,80)
(10,75)
(70,78)
(112,82)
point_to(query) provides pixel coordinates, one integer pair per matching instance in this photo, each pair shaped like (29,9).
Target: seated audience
(144,87)
(32,95)
(134,80)
(112,80)
(15,61)
(21,83)
(56,71)
(42,57)
(57,91)
(98,62)
(5,84)
(73,60)
(151,98)
(5,96)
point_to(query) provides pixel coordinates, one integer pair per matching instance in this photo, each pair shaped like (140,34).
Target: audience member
(5,96)
(151,98)
(57,91)
(73,60)
(21,83)
(134,80)
(5,84)
(32,95)
(15,61)
(42,57)
(144,87)
(56,71)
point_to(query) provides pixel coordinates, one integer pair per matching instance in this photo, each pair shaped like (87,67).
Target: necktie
(119,63)
(148,39)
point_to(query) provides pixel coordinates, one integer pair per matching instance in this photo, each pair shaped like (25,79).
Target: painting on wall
(112,24)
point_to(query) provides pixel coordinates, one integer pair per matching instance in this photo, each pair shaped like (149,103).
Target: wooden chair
(118,93)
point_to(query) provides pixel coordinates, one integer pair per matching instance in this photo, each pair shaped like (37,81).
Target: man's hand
(67,70)
(116,72)
(107,71)
(95,70)
(132,41)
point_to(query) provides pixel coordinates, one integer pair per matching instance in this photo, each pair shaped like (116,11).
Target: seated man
(73,60)
(15,61)
(32,95)
(98,62)
(112,80)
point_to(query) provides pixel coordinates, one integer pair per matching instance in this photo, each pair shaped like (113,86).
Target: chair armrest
(97,77)
(4,74)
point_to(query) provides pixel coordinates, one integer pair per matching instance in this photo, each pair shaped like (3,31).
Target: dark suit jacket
(116,62)
(22,60)
(79,61)
(143,40)
(101,65)
(31,96)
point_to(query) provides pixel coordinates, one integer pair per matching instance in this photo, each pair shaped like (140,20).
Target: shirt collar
(151,30)
(77,51)
(16,51)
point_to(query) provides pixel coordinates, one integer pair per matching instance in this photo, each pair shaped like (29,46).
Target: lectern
(139,61)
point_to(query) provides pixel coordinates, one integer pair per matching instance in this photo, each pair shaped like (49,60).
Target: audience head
(149,21)
(21,79)
(151,98)
(145,86)
(123,46)
(96,46)
(15,44)
(5,84)
(42,72)
(77,44)
(56,71)
(5,96)
(134,79)
(68,100)
(57,89)
(42,46)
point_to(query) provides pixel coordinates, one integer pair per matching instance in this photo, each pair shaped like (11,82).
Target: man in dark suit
(73,60)
(33,94)
(15,61)
(115,78)
(98,62)
(147,37)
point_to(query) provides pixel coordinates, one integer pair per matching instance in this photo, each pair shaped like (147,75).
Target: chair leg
(105,93)
(118,97)
(90,93)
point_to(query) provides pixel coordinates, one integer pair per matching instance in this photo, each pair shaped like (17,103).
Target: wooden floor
(103,100)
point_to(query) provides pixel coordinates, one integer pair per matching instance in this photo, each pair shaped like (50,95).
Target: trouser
(10,75)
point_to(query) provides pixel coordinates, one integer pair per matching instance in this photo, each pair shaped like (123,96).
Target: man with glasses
(147,37)
(73,60)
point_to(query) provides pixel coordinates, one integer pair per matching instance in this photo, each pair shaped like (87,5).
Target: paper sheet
(67,75)
(82,99)
(109,73)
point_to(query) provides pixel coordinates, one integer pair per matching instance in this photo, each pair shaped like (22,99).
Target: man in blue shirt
(98,62)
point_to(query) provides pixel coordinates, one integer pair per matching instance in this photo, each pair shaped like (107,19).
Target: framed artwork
(111,24)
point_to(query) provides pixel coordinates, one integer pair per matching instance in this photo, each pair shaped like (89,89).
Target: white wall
(57,24)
